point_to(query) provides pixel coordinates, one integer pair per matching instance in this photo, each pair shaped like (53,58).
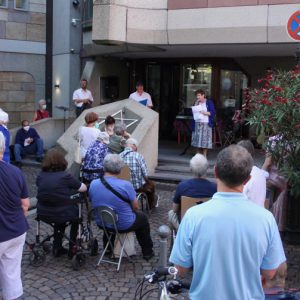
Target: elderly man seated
(92,167)
(197,187)
(129,218)
(138,171)
(28,141)
(118,139)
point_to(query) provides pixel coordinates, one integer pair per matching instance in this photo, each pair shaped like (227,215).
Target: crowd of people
(231,241)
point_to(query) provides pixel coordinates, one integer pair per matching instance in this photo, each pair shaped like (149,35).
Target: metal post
(298,55)
(164,232)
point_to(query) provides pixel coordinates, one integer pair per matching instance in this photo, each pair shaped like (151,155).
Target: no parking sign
(293,26)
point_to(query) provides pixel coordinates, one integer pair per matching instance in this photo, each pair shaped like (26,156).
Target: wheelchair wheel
(93,246)
(37,257)
(47,247)
(78,261)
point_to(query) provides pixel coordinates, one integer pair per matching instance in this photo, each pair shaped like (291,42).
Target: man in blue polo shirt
(14,204)
(230,242)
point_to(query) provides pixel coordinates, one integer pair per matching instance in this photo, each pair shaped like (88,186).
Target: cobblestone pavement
(56,279)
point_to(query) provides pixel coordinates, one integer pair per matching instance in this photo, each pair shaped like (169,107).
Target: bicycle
(165,287)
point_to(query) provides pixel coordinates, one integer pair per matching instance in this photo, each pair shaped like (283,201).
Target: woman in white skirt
(202,135)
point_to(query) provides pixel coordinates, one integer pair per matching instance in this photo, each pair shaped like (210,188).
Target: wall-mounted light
(56,85)
(74,22)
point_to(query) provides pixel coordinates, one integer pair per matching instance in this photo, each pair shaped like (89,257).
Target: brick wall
(179,4)
(17,92)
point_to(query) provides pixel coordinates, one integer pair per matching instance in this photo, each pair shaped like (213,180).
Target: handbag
(129,245)
(77,154)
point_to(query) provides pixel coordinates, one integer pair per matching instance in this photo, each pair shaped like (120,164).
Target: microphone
(62,107)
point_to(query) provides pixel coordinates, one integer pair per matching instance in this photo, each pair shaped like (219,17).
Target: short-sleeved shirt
(93,162)
(144,98)
(255,189)
(137,166)
(100,195)
(6,155)
(227,240)
(13,188)
(54,191)
(87,135)
(81,94)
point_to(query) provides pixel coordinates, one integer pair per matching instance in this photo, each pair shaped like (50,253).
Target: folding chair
(142,197)
(188,202)
(108,219)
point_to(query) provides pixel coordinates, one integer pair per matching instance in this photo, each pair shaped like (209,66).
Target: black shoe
(39,159)
(148,256)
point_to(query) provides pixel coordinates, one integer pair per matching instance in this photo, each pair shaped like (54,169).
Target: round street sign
(293,26)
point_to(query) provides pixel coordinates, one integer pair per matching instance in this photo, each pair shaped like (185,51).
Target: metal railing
(120,118)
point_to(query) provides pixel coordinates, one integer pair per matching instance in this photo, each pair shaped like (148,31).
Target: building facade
(22,57)
(177,47)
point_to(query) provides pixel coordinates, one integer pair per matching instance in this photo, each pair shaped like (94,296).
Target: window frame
(22,9)
(4,5)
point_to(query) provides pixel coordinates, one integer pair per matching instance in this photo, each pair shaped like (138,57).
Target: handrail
(121,118)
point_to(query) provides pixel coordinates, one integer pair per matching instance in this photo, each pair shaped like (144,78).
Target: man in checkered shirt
(138,171)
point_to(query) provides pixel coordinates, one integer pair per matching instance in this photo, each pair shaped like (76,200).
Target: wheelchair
(85,241)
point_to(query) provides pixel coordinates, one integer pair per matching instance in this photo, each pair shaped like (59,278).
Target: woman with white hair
(13,226)
(4,130)
(42,112)
(197,187)
(92,167)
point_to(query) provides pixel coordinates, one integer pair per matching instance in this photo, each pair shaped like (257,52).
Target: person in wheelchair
(197,187)
(55,186)
(120,195)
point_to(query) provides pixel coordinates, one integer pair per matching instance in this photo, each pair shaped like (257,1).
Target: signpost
(293,26)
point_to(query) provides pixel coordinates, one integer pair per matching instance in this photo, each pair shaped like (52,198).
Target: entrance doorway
(163,82)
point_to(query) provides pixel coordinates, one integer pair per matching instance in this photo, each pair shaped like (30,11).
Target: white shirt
(255,188)
(81,94)
(87,135)
(144,98)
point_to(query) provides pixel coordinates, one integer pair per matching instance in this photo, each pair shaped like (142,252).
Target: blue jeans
(35,148)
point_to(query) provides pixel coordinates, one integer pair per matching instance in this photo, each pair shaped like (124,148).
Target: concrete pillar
(66,55)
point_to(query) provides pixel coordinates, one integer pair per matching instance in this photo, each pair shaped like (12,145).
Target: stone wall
(22,56)
(17,93)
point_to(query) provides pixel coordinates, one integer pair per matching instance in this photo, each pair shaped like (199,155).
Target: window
(195,77)
(21,4)
(3,3)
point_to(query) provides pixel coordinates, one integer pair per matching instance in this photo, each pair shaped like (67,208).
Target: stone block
(3,96)
(18,16)
(9,106)
(2,30)
(179,4)
(278,1)
(15,31)
(40,8)
(20,96)
(37,18)
(10,86)
(224,3)
(36,32)
(14,117)
(26,115)
(3,14)
(5,76)
(20,76)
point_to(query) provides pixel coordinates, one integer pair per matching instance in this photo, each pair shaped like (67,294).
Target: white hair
(199,165)
(2,143)
(131,141)
(42,101)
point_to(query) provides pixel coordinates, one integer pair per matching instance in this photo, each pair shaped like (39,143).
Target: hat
(104,137)
(3,116)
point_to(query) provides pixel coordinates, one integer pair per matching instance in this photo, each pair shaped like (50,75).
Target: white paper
(27,142)
(196,112)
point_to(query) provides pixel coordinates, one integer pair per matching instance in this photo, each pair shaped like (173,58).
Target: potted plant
(274,109)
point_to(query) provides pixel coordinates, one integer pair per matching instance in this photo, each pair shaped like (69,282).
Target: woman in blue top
(202,135)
